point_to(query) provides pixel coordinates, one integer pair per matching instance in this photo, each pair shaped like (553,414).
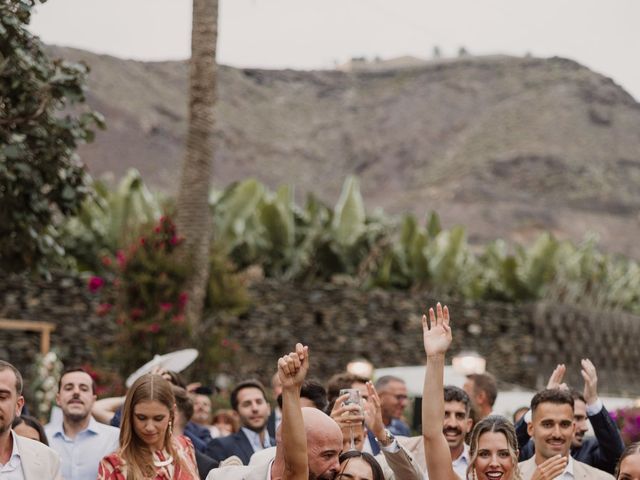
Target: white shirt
(12,470)
(461,463)
(254,439)
(80,456)
(567,474)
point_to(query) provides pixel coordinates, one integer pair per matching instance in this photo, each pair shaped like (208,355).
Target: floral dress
(112,467)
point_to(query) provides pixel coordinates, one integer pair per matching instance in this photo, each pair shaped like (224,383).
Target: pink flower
(103,309)
(182,299)
(154,327)
(106,261)
(225,342)
(122,259)
(95,284)
(166,306)
(136,313)
(178,319)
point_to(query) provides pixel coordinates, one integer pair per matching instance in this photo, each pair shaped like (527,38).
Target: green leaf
(349,217)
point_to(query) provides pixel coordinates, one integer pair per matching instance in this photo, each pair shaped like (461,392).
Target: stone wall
(522,343)
(64,301)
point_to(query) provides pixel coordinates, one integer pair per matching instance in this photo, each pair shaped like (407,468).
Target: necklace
(163,463)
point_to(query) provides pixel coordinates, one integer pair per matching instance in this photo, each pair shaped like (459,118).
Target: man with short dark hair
(394,399)
(343,380)
(249,400)
(78,438)
(312,395)
(394,460)
(457,424)
(20,457)
(482,388)
(552,427)
(601,452)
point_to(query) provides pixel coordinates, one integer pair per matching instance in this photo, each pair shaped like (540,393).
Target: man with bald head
(324,443)
(323,437)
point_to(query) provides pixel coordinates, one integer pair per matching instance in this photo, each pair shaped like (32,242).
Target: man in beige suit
(21,458)
(552,427)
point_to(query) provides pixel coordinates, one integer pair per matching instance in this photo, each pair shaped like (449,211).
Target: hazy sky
(602,35)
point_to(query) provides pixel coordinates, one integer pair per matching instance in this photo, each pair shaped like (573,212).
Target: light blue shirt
(254,439)
(80,456)
(12,470)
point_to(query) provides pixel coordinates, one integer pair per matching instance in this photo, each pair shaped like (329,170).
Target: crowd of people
(348,429)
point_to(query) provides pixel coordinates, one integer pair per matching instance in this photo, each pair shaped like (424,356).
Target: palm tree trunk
(193,219)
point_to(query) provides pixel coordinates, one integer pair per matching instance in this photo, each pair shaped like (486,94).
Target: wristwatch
(387,439)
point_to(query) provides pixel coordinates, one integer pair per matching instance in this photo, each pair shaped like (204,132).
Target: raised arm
(437,338)
(400,462)
(610,443)
(292,370)
(103,410)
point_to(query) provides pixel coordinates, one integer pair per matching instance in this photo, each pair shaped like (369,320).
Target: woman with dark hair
(629,464)
(356,465)
(493,448)
(148,450)
(29,427)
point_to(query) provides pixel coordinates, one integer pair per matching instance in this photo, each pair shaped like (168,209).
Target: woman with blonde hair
(148,450)
(493,448)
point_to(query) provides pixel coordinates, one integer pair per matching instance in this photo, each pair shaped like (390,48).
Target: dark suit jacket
(271,423)
(199,436)
(205,464)
(236,444)
(601,452)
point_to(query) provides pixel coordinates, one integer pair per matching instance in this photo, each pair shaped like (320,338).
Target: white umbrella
(174,361)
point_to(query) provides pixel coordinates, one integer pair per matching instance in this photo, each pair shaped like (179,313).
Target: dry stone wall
(522,343)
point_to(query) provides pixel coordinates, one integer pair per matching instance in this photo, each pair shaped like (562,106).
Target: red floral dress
(112,467)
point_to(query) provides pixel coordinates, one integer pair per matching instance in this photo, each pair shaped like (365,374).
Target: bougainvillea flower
(95,284)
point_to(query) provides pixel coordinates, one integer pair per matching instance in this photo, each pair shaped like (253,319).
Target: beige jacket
(399,465)
(39,462)
(581,471)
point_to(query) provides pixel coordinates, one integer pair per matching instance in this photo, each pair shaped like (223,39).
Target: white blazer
(39,462)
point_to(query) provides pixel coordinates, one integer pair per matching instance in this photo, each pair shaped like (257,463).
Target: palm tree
(192,218)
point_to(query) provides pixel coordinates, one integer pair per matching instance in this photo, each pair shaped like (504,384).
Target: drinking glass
(352,399)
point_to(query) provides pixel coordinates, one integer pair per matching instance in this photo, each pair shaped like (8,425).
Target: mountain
(506,146)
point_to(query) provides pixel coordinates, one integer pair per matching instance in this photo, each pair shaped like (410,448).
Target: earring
(170,428)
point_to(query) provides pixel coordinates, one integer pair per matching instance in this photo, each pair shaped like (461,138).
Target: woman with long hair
(493,448)
(148,450)
(360,465)
(629,464)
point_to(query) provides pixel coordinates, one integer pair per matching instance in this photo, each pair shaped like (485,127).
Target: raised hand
(555,380)
(590,376)
(346,415)
(550,468)
(436,331)
(373,412)
(293,368)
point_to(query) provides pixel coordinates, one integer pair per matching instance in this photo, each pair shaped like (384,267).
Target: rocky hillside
(506,146)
